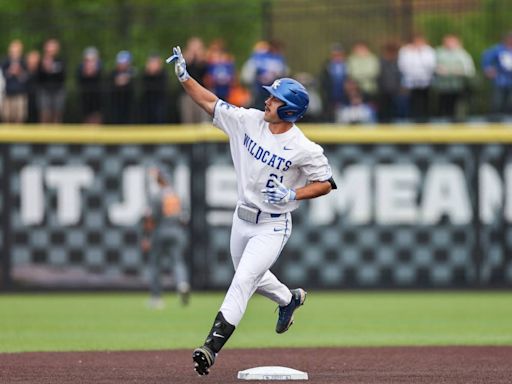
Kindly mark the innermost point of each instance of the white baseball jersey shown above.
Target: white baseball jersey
(259, 156)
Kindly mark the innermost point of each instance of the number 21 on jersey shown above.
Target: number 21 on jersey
(270, 181)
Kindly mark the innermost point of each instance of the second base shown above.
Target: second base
(272, 373)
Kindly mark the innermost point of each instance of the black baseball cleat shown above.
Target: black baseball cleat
(203, 358)
(285, 319)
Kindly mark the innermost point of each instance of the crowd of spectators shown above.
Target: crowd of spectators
(400, 84)
(412, 82)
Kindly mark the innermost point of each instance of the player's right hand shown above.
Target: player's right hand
(180, 66)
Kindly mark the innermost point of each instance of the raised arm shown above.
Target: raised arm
(202, 96)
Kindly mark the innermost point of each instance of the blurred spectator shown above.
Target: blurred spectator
(122, 89)
(162, 233)
(195, 56)
(90, 86)
(239, 95)
(51, 95)
(454, 70)
(363, 67)
(33, 60)
(417, 62)
(220, 70)
(354, 110)
(14, 69)
(497, 65)
(265, 64)
(389, 84)
(154, 91)
(315, 108)
(332, 81)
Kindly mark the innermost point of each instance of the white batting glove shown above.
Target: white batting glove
(280, 194)
(180, 66)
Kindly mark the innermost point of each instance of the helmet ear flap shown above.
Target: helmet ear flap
(289, 113)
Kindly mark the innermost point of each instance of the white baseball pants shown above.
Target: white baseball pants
(254, 249)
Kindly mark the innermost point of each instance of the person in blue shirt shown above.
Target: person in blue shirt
(497, 66)
(333, 81)
(265, 65)
(220, 70)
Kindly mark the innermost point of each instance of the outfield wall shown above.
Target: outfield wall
(422, 207)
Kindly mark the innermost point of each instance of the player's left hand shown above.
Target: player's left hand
(280, 194)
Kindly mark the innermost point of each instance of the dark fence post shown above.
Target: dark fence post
(198, 229)
(6, 218)
(266, 21)
(477, 252)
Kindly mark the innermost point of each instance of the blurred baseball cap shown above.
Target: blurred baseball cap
(123, 57)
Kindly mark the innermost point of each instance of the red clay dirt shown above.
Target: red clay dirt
(324, 365)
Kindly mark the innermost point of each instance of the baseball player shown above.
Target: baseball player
(162, 234)
(276, 167)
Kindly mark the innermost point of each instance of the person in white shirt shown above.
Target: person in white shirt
(276, 167)
(417, 63)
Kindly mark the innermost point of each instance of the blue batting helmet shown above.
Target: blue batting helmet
(294, 96)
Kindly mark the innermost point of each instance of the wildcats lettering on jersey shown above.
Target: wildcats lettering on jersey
(265, 156)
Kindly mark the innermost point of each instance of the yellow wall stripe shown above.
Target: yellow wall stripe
(326, 133)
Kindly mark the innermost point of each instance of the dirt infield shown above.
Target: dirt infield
(325, 365)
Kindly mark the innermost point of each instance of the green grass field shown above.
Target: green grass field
(72, 322)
